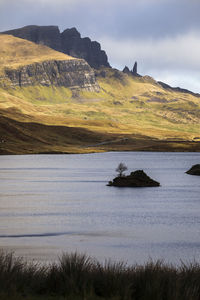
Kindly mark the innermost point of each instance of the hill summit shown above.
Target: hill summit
(69, 42)
(51, 102)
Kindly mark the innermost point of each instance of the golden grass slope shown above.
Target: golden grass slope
(127, 108)
(124, 105)
(16, 52)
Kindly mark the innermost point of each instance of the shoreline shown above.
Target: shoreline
(133, 146)
(34, 138)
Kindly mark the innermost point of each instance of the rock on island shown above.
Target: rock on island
(194, 170)
(136, 179)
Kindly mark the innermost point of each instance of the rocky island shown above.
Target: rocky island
(194, 170)
(136, 179)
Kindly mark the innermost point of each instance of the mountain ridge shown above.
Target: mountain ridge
(69, 42)
(178, 89)
(122, 111)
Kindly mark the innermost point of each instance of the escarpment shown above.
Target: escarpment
(69, 42)
(73, 44)
(74, 74)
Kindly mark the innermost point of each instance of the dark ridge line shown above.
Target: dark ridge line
(178, 89)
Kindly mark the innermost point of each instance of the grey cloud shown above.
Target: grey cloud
(179, 52)
(128, 18)
(184, 79)
(174, 60)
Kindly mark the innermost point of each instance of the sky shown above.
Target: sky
(163, 36)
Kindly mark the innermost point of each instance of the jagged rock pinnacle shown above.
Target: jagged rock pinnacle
(126, 70)
(134, 72)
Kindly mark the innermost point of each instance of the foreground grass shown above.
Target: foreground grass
(77, 276)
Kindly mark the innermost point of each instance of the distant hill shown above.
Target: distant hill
(177, 89)
(68, 42)
(54, 103)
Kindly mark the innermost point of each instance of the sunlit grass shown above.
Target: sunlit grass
(15, 52)
(124, 104)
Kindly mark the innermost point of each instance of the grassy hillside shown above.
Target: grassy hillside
(124, 105)
(129, 109)
(19, 137)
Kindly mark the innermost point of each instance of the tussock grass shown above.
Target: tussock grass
(77, 276)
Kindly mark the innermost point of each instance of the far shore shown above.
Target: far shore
(119, 146)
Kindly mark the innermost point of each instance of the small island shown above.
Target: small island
(136, 179)
(194, 170)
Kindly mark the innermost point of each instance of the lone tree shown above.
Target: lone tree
(121, 169)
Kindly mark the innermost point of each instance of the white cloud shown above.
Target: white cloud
(188, 80)
(180, 52)
(175, 60)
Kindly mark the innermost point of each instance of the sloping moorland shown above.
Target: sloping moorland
(125, 112)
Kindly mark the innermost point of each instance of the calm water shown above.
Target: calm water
(55, 203)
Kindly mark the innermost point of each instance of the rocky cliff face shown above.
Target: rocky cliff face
(68, 42)
(45, 35)
(74, 74)
(74, 45)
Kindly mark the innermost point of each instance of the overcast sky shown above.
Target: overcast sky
(163, 36)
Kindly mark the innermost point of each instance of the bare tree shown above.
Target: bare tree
(121, 169)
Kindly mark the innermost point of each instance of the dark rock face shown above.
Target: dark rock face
(135, 179)
(68, 42)
(45, 35)
(126, 70)
(74, 45)
(195, 170)
(74, 74)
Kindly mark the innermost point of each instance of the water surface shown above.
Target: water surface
(55, 203)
